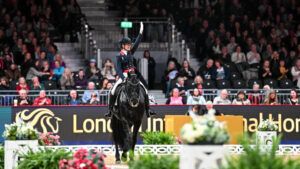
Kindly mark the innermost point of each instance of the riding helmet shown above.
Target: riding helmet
(125, 40)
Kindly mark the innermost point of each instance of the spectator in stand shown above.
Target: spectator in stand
(275, 64)
(73, 98)
(57, 71)
(175, 98)
(181, 86)
(22, 84)
(209, 109)
(198, 81)
(225, 56)
(41, 59)
(232, 45)
(295, 71)
(255, 96)
(36, 85)
(272, 98)
(206, 70)
(293, 99)
(42, 99)
(151, 69)
(92, 72)
(67, 80)
(283, 70)
(105, 81)
(8, 60)
(196, 98)
(80, 80)
(47, 74)
(109, 86)
(253, 57)
(4, 84)
(34, 71)
(217, 47)
(222, 98)
(88, 93)
(186, 71)
(219, 72)
(239, 59)
(27, 64)
(108, 70)
(241, 99)
(23, 98)
(169, 75)
(13, 73)
(94, 99)
(59, 59)
(265, 71)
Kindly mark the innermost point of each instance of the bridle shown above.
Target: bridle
(135, 85)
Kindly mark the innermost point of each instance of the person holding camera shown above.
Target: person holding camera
(108, 70)
(241, 99)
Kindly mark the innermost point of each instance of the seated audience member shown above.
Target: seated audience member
(80, 80)
(194, 111)
(206, 71)
(4, 84)
(13, 73)
(57, 71)
(73, 98)
(109, 86)
(88, 93)
(241, 99)
(186, 71)
(196, 98)
(295, 71)
(267, 90)
(272, 98)
(34, 71)
(36, 85)
(67, 81)
(94, 99)
(108, 70)
(23, 98)
(42, 99)
(294, 98)
(180, 86)
(92, 72)
(253, 57)
(47, 73)
(58, 58)
(198, 81)
(209, 109)
(265, 71)
(283, 70)
(239, 59)
(255, 96)
(222, 98)
(27, 64)
(219, 72)
(22, 84)
(169, 74)
(175, 98)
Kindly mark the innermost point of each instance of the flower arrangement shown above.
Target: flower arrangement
(20, 131)
(204, 130)
(49, 139)
(84, 159)
(151, 138)
(267, 125)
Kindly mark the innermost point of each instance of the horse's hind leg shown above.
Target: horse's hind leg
(134, 139)
(117, 154)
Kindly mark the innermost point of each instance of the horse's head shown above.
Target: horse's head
(133, 90)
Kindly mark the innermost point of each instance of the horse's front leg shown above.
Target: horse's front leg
(117, 154)
(134, 139)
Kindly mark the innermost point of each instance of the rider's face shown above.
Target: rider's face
(127, 47)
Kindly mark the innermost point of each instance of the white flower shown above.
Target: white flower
(82, 165)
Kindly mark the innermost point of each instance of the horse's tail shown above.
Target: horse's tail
(121, 134)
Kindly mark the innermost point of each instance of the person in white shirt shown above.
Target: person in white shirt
(239, 58)
(222, 98)
(253, 57)
(295, 71)
(196, 98)
(232, 45)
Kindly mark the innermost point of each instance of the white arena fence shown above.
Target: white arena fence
(60, 97)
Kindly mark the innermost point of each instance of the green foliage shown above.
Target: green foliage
(43, 159)
(1, 157)
(255, 158)
(154, 138)
(155, 162)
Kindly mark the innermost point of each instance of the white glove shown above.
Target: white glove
(141, 27)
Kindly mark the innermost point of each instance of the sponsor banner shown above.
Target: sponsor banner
(5, 118)
(87, 124)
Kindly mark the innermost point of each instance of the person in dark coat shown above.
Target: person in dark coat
(151, 69)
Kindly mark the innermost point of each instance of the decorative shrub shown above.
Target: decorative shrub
(1, 157)
(256, 158)
(49, 139)
(20, 131)
(267, 125)
(155, 162)
(204, 130)
(154, 138)
(43, 159)
(84, 159)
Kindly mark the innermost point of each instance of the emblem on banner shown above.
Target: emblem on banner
(43, 117)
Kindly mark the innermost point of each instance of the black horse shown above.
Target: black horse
(129, 112)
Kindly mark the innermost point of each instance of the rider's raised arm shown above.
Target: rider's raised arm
(119, 67)
(138, 39)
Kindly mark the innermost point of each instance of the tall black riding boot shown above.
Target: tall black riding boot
(112, 100)
(149, 113)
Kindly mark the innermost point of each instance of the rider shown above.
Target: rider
(125, 65)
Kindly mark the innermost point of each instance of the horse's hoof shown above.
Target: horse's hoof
(124, 157)
(118, 161)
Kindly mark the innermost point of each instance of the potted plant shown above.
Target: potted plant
(203, 139)
(18, 135)
(266, 132)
